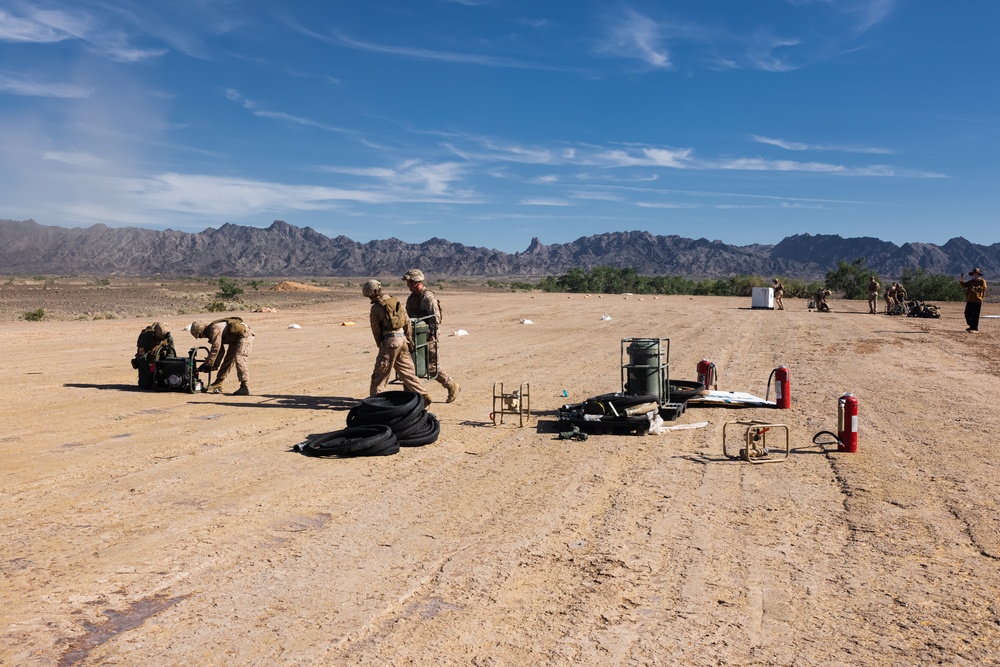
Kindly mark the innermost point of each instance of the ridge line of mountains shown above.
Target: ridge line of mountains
(27, 247)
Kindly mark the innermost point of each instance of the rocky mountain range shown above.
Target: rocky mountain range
(28, 248)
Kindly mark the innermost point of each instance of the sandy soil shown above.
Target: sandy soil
(158, 528)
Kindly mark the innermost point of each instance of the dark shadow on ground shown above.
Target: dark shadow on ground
(288, 401)
(113, 387)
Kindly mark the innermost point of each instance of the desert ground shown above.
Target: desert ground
(167, 528)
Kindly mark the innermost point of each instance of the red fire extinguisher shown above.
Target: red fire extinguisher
(847, 423)
(707, 374)
(782, 388)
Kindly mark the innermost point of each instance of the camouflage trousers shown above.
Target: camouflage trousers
(237, 354)
(394, 354)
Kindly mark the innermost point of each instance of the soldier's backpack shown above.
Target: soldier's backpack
(235, 324)
(395, 311)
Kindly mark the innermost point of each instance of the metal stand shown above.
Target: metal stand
(755, 448)
(517, 402)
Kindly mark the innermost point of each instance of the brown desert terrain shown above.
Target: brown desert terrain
(167, 528)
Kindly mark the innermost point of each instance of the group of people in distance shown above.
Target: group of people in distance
(894, 294)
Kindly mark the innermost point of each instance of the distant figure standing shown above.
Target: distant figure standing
(873, 290)
(975, 292)
(900, 293)
(889, 293)
(393, 334)
(423, 303)
(779, 291)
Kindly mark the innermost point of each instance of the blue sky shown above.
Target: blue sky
(489, 122)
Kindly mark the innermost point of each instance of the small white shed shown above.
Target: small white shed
(763, 297)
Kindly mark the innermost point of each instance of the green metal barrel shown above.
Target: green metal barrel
(421, 330)
(645, 368)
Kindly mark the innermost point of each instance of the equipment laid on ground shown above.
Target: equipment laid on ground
(160, 368)
(615, 414)
(917, 308)
(403, 412)
(755, 449)
(158, 365)
(646, 392)
(517, 402)
(180, 373)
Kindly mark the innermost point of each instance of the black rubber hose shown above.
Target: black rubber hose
(426, 435)
(352, 441)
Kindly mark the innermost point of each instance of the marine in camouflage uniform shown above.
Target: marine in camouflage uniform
(873, 290)
(423, 303)
(394, 343)
(231, 342)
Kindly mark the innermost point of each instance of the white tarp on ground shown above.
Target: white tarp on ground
(734, 398)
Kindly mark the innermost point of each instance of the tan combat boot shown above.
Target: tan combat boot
(244, 390)
(427, 400)
(453, 390)
(215, 388)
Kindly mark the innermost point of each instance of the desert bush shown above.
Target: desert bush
(228, 289)
(216, 307)
(851, 279)
(511, 286)
(102, 282)
(36, 315)
(927, 287)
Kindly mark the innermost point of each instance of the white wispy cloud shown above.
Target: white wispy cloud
(19, 85)
(800, 146)
(543, 201)
(50, 25)
(18, 29)
(254, 108)
(75, 159)
(649, 204)
(418, 53)
(637, 36)
(490, 150)
(762, 52)
(866, 13)
(414, 176)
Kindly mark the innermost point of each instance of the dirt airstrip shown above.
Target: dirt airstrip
(160, 528)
